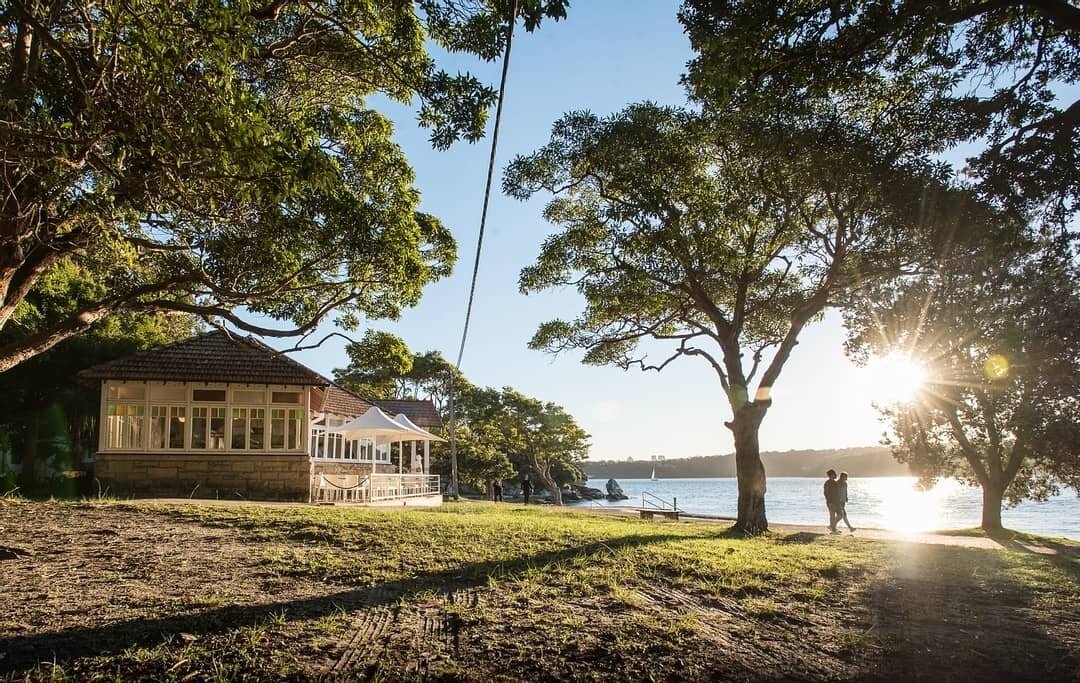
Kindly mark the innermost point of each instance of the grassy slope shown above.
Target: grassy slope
(478, 591)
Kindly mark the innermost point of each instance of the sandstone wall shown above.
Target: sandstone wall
(206, 475)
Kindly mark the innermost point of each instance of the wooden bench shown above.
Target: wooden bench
(646, 513)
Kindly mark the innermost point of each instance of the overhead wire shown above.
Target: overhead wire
(479, 248)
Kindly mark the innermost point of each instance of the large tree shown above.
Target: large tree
(997, 74)
(722, 238)
(220, 155)
(998, 331)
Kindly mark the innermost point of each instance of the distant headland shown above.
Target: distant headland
(869, 461)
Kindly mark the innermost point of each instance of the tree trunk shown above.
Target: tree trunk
(749, 469)
(547, 480)
(991, 507)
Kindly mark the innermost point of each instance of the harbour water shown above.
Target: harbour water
(894, 503)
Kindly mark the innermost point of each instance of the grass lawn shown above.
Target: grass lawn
(107, 591)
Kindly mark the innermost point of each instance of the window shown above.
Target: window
(293, 397)
(177, 420)
(248, 396)
(256, 418)
(127, 392)
(158, 426)
(207, 427)
(200, 424)
(169, 393)
(217, 428)
(277, 428)
(239, 428)
(124, 425)
(208, 395)
(294, 427)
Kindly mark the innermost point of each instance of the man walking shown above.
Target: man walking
(841, 502)
(526, 488)
(831, 490)
(496, 491)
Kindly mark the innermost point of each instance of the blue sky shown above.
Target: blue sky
(606, 54)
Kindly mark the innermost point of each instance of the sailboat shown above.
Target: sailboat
(653, 477)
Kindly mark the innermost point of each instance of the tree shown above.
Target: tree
(544, 434)
(378, 366)
(220, 158)
(43, 393)
(724, 237)
(993, 73)
(998, 330)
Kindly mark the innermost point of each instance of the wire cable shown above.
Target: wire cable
(479, 247)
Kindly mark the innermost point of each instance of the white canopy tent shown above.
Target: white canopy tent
(381, 428)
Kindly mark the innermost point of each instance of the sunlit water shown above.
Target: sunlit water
(874, 502)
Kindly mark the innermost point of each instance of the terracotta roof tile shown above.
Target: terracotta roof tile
(341, 401)
(210, 357)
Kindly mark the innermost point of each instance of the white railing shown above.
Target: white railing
(392, 486)
(372, 488)
(341, 489)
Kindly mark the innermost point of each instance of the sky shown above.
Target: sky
(604, 55)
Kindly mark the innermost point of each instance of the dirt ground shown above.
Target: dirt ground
(123, 592)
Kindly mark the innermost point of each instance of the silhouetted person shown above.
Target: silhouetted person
(841, 502)
(526, 488)
(831, 489)
(496, 491)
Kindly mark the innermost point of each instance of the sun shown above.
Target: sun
(895, 378)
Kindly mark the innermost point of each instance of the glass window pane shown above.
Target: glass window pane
(239, 428)
(217, 428)
(214, 395)
(158, 416)
(177, 420)
(198, 427)
(255, 428)
(286, 397)
(277, 428)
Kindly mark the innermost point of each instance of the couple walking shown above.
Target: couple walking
(836, 500)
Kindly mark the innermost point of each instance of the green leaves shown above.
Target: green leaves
(229, 145)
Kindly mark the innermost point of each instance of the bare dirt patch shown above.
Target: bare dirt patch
(190, 593)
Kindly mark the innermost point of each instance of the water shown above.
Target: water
(874, 502)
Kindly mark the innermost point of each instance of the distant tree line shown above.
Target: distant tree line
(859, 462)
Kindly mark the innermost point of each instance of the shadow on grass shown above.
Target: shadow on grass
(951, 613)
(23, 652)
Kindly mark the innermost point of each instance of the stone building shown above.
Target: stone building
(221, 416)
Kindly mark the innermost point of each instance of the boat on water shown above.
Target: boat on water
(653, 477)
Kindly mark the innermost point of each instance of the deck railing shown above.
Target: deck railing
(372, 488)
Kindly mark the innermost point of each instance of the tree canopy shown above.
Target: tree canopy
(218, 158)
(724, 238)
(998, 331)
(997, 75)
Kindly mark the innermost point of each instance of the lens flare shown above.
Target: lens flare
(996, 367)
(895, 378)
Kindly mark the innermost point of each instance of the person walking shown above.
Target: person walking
(496, 491)
(841, 502)
(526, 488)
(831, 490)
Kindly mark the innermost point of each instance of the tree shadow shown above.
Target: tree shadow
(1034, 545)
(801, 537)
(23, 652)
(950, 613)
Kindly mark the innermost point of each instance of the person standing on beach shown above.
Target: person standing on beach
(841, 502)
(496, 491)
(831, 491)
(526, 488)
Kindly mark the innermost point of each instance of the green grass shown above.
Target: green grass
(546, 592)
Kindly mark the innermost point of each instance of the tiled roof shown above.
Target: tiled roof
(422, 412)
(335, 399)
(210, 357)
(341, 401)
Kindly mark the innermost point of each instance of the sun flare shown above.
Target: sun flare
(895, 378)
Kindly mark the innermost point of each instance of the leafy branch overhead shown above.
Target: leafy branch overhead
(218, 158)
(996, 75)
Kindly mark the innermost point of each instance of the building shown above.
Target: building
(221, 416)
